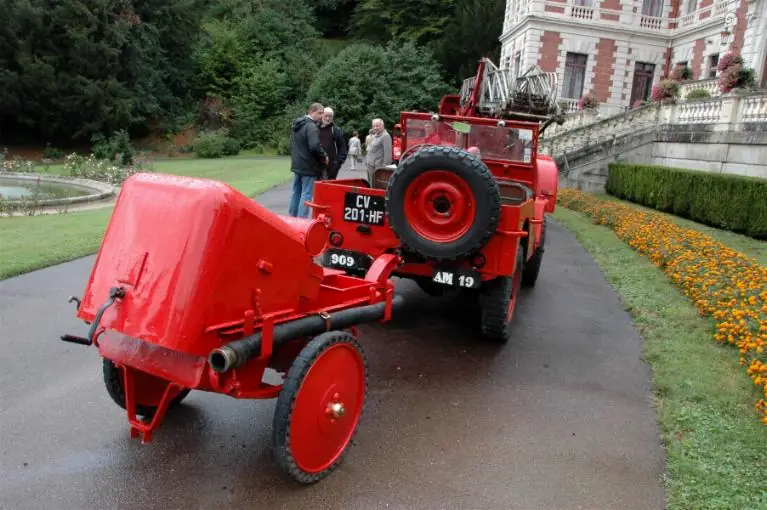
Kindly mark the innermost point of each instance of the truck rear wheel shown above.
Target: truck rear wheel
(533, 266)
(499, 300)
(442, 203)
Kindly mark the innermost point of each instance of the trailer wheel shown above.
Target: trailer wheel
(319, 407)
(499, 300)
(443, 203)
(533, 266)
(149, 389)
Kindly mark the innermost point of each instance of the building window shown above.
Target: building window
(713, 62)
(691, 6)
(518, 63)
(583, 3)
(652, 8)
(642, 85)
(575, 75)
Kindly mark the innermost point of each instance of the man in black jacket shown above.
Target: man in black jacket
(332, 139)
(307, 159)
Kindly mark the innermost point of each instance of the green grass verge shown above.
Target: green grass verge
(30, 243)
(747, 245)
(716, 447)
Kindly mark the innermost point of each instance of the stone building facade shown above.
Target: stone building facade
(616, 50)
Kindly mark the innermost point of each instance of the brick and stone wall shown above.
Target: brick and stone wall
(613, 50)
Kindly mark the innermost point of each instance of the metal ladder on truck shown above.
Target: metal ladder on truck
(494, 92)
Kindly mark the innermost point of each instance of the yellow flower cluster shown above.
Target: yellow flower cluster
(721, 282)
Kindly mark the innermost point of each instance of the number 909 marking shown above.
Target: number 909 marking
(341, 260)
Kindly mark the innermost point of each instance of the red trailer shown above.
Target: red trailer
(198, 287)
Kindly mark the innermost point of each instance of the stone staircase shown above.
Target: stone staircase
(658, 134)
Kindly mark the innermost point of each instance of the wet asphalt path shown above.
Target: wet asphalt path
(559, 418)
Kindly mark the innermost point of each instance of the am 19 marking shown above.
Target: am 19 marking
(455, 280)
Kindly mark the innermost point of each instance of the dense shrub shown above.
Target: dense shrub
(698, 94)
(588, 102)
(52, 152)
(215, 144)
(681, 73)
(665, 90)
(366, 81)
(733, 74)
(727, 201)
(117, 147)
(103, 170)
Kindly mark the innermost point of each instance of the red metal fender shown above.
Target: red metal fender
(548, 180)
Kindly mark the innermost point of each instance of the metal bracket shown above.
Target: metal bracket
(75, 299)
(114, 294)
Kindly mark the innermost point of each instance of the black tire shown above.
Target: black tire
(114, 383)
(533, 266)
(495, 298)
(286, 401)
(478, 178)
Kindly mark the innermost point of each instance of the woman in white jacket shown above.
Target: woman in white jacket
(355, 149)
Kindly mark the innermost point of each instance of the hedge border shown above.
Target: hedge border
(732, 202)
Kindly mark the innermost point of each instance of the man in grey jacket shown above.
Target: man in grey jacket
(307, 159)
(380, 149)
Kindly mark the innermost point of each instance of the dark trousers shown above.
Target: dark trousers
(332, 171)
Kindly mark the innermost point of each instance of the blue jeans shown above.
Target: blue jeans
(303, 190)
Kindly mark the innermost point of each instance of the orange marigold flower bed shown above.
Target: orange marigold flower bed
(721, 282)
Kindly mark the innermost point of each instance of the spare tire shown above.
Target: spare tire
(443, 203)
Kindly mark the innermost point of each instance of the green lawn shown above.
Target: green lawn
(715, 444)
(744, 244)
(29, 243)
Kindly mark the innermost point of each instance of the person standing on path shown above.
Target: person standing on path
(355, 149)
(368, 140)
(380, 149)
(307, 159)
(332, 140)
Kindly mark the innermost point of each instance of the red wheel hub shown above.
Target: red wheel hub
(440, 206)
(327, 408)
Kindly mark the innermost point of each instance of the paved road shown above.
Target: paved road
(559, 418)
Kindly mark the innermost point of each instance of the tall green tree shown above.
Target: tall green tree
(334, 16)
(473, 33)
(366, 81)
(259, 58)
(73, 68)
(422, 22)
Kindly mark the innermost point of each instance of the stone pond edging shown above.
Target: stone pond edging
(101, 190)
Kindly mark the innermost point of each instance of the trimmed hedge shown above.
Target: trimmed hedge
(727, 201)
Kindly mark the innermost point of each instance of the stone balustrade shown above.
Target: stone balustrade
(728, 112)
(593, 11)
(710, 85)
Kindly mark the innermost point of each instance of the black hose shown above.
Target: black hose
(239, 352)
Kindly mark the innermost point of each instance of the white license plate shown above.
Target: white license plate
(367, 209)
(457, 278)
(346, 260)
